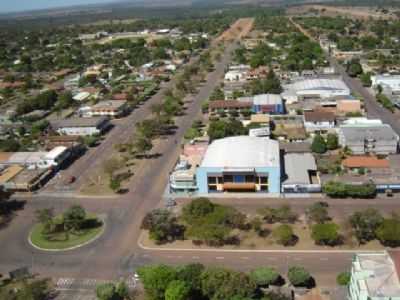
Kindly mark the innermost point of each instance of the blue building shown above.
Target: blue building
(240, 164)
(265, 103)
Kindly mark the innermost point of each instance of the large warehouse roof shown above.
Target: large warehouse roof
(242, 152)
(317, 84)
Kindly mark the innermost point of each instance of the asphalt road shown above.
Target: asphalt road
(116, 253)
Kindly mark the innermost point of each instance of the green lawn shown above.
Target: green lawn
(58, 241)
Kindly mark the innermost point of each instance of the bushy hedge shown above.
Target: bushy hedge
(336, 189)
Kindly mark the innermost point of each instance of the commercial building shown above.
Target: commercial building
(375, 276)
(265, 103)
(316, 88)
(390, 81)
(319, 120)
(110, 108)
(363, 138)
(301, 174)
(227, 106)
(33, 160)
(18, 178)
(240, 163)
(81, 126)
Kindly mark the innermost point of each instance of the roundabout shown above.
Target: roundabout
(60, 239)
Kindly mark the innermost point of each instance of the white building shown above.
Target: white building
(375, 276)
(317, 88)
(319, 121)
(235, 75)
(34, 160)
(80, 126)
(391, 81)
(110, 108)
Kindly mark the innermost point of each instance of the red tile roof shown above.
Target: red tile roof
(365, 162)
(319, 116)
(216, 104)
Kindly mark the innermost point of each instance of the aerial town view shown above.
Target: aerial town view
(200, 150)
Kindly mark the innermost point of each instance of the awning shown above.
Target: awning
(239, 186)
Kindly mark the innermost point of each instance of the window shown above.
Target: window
(263, 179)
(228, 178)
(212, 180)
(249, 178)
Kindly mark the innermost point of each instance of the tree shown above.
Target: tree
(318, 212)
(162, 226)
(30, 290)
(115, 184)
(283, 234)
(224, 128)
(177, 290)
(366, 79)
(343, 278)
(105, 291)
(143, 145)
(388, 232)
(318, 144)
(191, 274)
(332, 141)
(264, 276)
(354, 68)
(111, 165)
(217, 94)
(65, 100)
(325, 234)
(46, 218)
(121, 289)
(298, 276)
(156, 279)
(197, 208)
(74, 217)
(222, 284)
(283, 214)
(365, 223)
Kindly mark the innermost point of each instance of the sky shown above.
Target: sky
(22, 5)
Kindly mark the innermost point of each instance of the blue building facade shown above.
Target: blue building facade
(240, 164)
(261, 180)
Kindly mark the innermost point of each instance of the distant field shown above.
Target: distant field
(114, 22)
(349, 11)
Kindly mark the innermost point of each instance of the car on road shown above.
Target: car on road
(70, 180)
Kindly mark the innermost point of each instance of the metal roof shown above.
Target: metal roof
(242, 152)
(297, 166)
(382, 132)
(317, 84)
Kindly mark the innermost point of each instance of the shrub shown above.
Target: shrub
(325, 234)
(264, 276)
(388, 232)
(298, 276)
(318, 144)
(336, 189)
(343, 278)
(283, 234)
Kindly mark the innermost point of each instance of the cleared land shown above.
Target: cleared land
(333, 11)
(238, 30)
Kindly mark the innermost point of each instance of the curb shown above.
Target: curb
(140, 244)
(70, 248)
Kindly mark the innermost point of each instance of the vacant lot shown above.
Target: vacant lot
(238, 30)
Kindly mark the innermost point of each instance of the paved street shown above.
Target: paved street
(116, 253)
